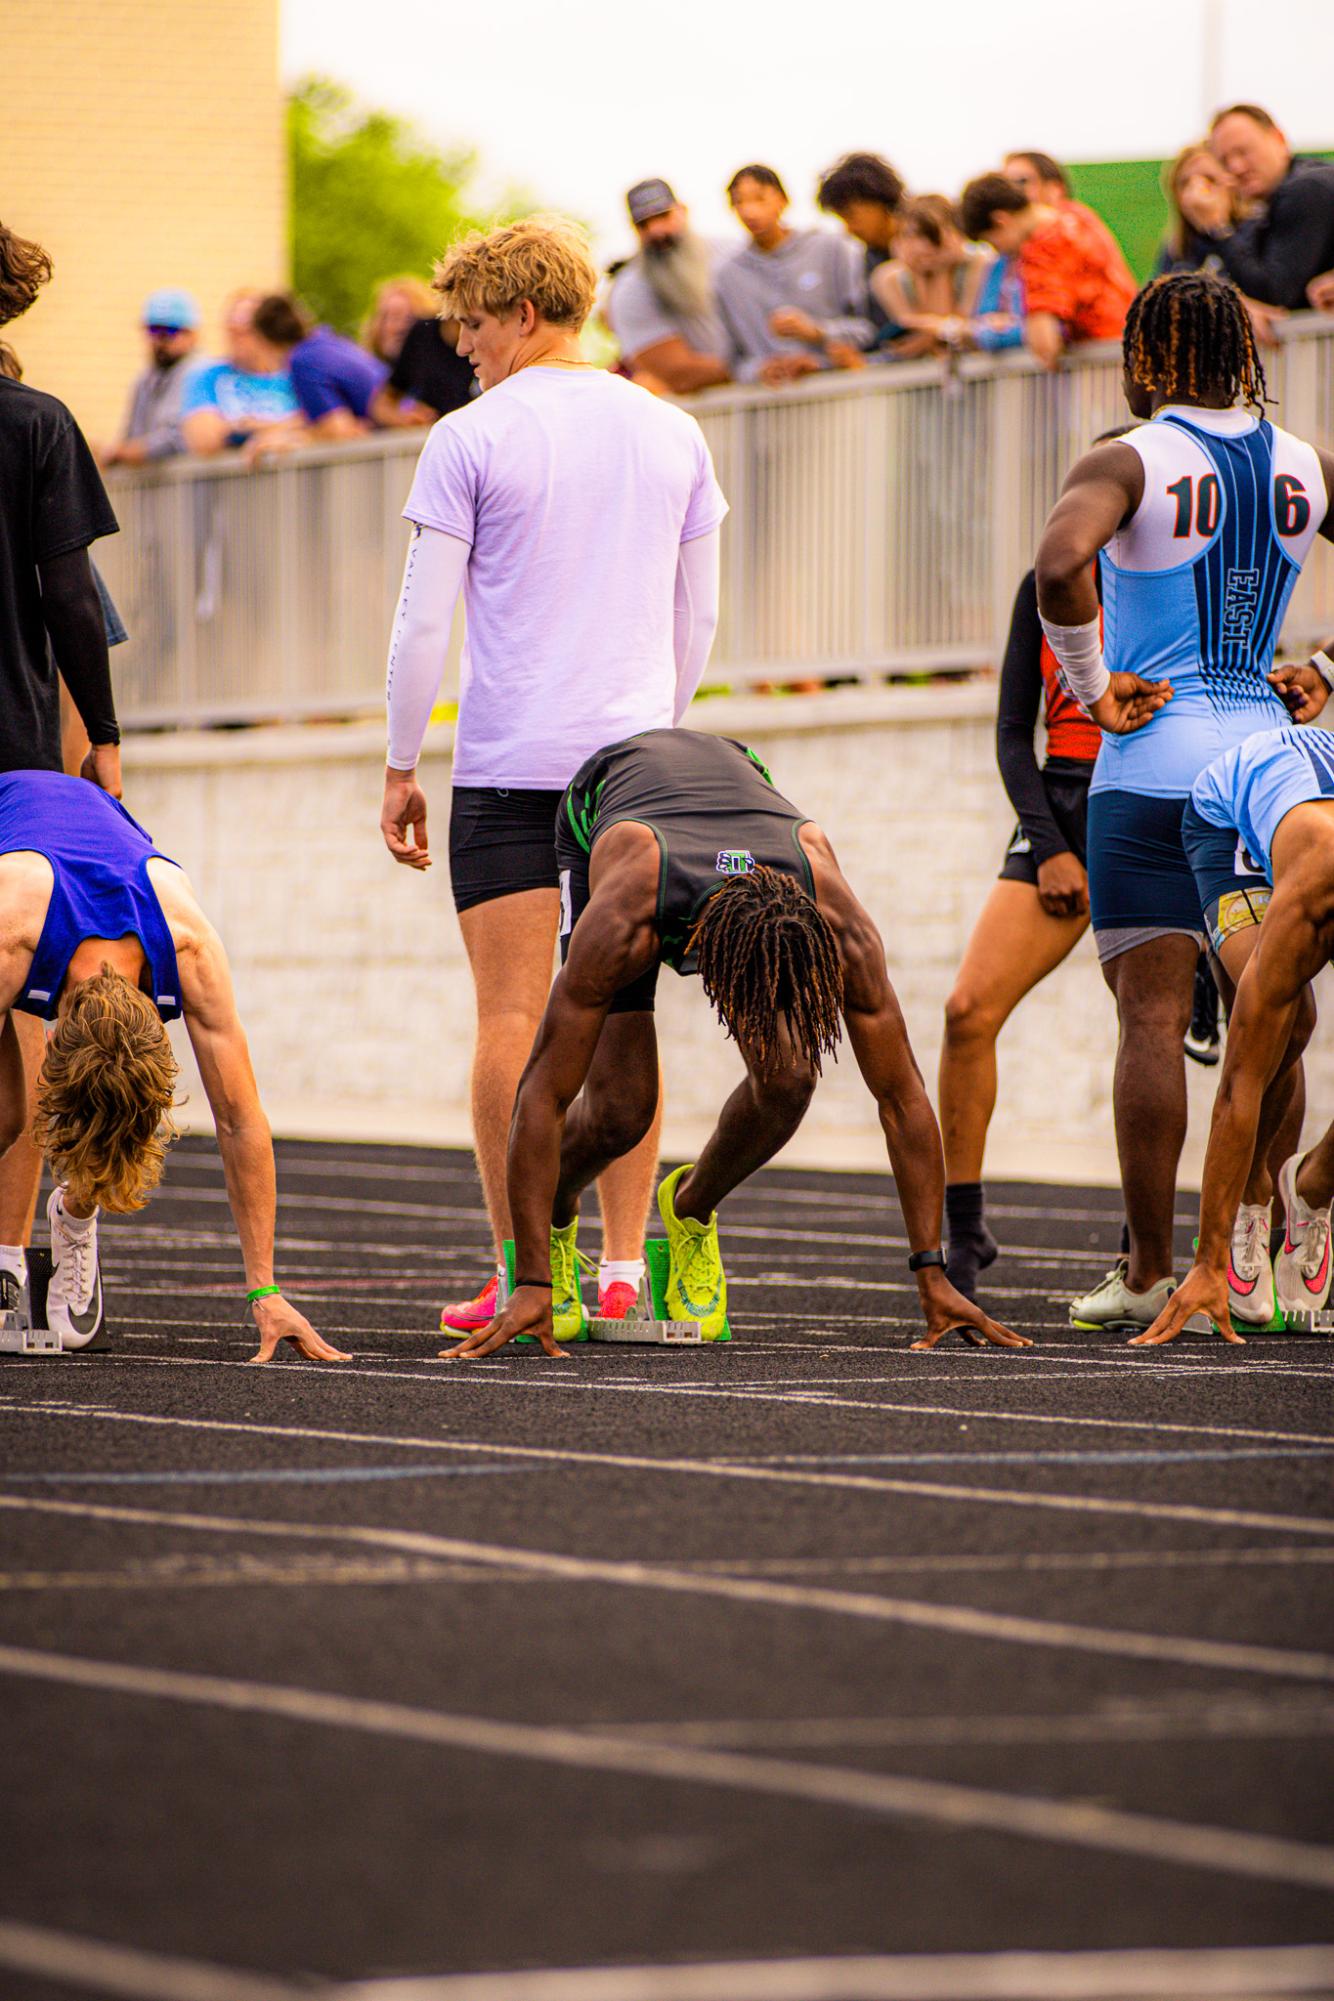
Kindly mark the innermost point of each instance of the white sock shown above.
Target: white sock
(77, 1226)
(14, 1260)
(620, 1271)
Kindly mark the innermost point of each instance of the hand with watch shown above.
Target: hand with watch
(948, 1312)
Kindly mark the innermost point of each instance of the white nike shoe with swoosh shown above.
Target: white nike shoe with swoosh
(1302, 1269)
(1250, 1276)
(74, 1296)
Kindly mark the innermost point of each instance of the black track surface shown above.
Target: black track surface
(856, 1569)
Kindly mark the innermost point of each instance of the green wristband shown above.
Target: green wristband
(262, 1292)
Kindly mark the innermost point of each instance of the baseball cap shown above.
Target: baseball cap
(649, 198)
(170, 308)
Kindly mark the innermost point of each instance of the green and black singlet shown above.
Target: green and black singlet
(714, 811)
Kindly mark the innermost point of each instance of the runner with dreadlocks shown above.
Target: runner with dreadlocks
(1201, 517)
(676, 847)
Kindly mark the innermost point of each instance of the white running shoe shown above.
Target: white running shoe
(1113, 1305)
(1250, 1276)
(1302, 1267)
(74, 1296)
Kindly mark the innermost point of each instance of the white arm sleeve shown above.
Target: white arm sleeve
(419, 642)
(1078, 650)
(696, 613)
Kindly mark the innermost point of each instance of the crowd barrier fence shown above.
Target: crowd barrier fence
(880, 521)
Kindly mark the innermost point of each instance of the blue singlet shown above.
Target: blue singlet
(99, 858)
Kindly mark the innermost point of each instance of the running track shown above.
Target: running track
(807, 1669)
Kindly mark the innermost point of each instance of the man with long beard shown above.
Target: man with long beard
(661, 307)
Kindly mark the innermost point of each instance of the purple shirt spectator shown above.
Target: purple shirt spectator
(330, 372)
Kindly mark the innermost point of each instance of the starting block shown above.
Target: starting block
(1313, 1321)
(23, 1328)
(649, 1324)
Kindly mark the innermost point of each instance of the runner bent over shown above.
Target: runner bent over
(675, 847)
(101, 934)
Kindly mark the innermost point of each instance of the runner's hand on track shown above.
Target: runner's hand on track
(1203, 1290)
(1301, 688)
(1129, 703)
(528, 1312)
(278, 1320)
(948, 1312)
(405, 806)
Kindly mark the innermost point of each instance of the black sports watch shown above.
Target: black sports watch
(920, 1259)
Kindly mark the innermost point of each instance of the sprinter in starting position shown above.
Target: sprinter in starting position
(675, 847)
(101, 934)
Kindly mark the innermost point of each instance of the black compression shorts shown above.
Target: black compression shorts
(1068, 798)
(500, 842)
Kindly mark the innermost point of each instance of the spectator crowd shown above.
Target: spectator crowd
(1014, 262)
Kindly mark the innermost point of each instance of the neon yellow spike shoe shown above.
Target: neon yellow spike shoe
(696, 1282)
(569, 1320)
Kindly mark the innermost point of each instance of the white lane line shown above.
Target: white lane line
(1010, 1629)
(861, 1483)
(1192, 1719)
(1254, 1973)
(140, 1976)
(1097, 1559)
(1070, 1823)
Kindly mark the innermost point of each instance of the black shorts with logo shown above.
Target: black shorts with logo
(1067, 790)
(500, 842)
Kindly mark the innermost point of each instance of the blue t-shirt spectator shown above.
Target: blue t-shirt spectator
(244, 401)
(998, 316)
(330, 372)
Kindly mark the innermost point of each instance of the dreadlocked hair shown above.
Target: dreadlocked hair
(1189, 335)
(104, 1095)
(765, 950)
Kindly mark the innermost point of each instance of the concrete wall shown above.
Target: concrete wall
(142, 144)
(355, 990)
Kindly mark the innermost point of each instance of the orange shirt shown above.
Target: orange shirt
(1070, 732)
(1082, 281)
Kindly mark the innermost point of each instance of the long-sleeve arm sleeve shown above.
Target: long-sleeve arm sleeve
(1273, 261)
(432, 579)
(695, 613)
(1016, 719)
(77, 630)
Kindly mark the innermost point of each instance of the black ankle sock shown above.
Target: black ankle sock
(964, 1204)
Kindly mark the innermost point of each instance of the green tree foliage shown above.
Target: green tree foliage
(370, 198)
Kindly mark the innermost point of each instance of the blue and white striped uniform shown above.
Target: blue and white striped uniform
(1194, 588)
(1255, 785)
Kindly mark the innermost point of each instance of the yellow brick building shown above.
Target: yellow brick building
(142, 143)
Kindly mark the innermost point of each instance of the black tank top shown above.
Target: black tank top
(712, 807)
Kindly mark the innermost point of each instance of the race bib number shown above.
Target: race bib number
(566, 905)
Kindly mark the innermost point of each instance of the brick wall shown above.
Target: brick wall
(142, 143)
(353, 984)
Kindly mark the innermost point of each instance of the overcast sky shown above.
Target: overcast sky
(577, 101)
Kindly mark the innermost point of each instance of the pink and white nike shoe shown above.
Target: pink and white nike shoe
(471, 1314)
(1302, 1267)
(1250, 1276)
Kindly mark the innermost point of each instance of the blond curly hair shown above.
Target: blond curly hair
(105, 1094)
(544, 258)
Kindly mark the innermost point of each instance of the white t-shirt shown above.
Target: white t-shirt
(576, 490)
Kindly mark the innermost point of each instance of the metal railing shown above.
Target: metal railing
(880, 521)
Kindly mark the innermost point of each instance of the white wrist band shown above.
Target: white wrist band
(1078, 650)
(1324, 667)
